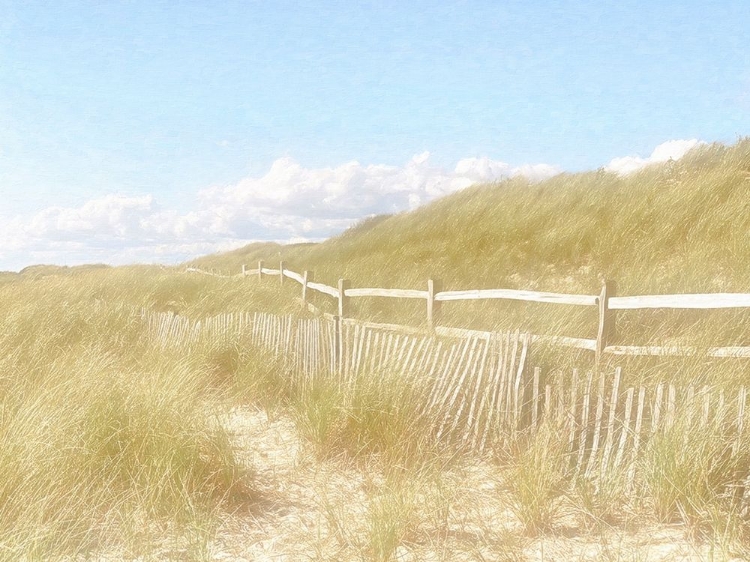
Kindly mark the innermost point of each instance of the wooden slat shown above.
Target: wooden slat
(512, 294)
(447, 332)
(392, 293)
(387, 327)
(322, 288)
(729, 352)
(649, 350)
(293, 275)
(268, 271)
(676, 350)
(705, 300)
(580, 343)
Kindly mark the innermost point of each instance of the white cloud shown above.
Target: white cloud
(289, 202)
(674, 150)
(485, 169)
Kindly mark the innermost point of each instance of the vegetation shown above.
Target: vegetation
(677, 227)
(113, 442)
(104, 437)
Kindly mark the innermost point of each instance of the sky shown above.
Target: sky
(148, 131)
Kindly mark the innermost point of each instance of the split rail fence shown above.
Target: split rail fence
(607, 303)
(477, 390)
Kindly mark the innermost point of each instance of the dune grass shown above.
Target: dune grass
(677, 227)
(106, 441)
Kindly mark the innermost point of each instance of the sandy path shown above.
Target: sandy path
(311, 510)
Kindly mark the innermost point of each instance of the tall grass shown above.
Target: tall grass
(102, 435)
(670, 228)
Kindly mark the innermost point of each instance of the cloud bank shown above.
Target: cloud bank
(288, 203)
(670, 150)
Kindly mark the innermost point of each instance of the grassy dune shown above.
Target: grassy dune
(677, 227)
(110, 442)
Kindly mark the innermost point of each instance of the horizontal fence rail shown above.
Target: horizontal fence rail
(477, 390)
(392, 293)
(702, 301)
(606, 302)
(511, 294)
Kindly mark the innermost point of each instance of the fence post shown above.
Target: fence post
(433, 306)
(243, 270)
(344, 284)
(260, 270)
(306, 276)
(337, 344)
(343, 312)
(606, 329)
(281, 273)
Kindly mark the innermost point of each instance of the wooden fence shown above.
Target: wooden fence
(478, 390)
(607, 303)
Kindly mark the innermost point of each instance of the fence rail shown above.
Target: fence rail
(607, 303)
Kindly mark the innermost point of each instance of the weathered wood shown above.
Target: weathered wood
(705, 300)
(517, 386)
(496, 392)
(611, 422)
(337, 344)
(434, 286)
(472, 421)
(260, 270)
(677, 350)
(625, 427)
(573, 405)
(389, 293)
(513, 294)
(584, 423)
(343, 305)
(636, 437)
(579, 343)
(288, 273)
(307, 277)
(462, 333)
(281, 273)
(597, 425)
(605, 330)
(386, 327)
(323, 288)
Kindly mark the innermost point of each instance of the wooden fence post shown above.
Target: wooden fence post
(606, 329)
(281, 273)
(243, 270)
(338, 344)
(260, 270)
(344, 284)
(306, 277)
(343, 312)
(433, 306)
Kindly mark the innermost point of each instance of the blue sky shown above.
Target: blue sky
(155, 131)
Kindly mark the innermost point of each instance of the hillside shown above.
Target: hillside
(677, 227)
